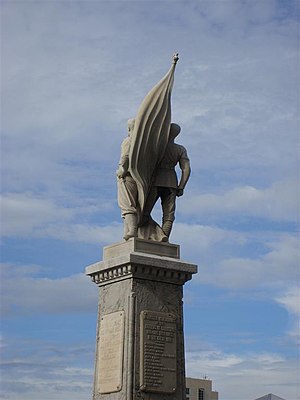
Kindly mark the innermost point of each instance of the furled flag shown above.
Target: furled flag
(151, 133)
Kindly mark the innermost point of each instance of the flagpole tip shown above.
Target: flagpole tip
(175, 58)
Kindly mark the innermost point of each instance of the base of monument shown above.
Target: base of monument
(136, 245)
(140, 346)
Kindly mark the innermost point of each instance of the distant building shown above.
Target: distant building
(200, 389)
(270, 396)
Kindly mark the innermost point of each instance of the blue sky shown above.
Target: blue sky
(73, 72)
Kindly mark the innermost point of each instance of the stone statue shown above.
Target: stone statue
(147, 165)
(127, 189)
(165, 183)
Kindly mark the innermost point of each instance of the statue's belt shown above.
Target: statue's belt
(168, 168)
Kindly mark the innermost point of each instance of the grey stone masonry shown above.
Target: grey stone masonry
(139, 343)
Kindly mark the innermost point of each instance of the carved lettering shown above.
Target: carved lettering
(158, 352)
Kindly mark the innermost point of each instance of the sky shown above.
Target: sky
(72, 73)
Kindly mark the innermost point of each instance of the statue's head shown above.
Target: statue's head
(130, 125)
(174, 131)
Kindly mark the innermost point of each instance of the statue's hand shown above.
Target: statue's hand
(175, 58)
(179, 192)
(121, 172)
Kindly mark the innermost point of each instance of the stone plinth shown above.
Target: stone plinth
(140, 346)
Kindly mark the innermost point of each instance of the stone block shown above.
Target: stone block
(135, 245)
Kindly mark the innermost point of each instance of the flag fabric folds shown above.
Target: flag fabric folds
(151, 133)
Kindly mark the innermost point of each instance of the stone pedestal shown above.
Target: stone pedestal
(140, 346)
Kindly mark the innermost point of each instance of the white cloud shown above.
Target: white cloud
(279, 202)
(234, 375)
(52, 369)
(29, 215)
(203, 238)
(270, 271)
(65, 384)
(71, 294)
(24, 213)
(235, 98)
(85, 233)
(47, 370)
(290, 300)
(260, 260)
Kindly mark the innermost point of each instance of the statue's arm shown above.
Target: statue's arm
(185, 167)
(124, 159)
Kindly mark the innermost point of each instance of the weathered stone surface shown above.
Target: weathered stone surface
(142, 246)
(144, 265)
(147, 166)
(158, 352)
(142, 286)
(111, 349)
(113, 298)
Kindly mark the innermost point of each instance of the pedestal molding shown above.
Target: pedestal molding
(142, 266)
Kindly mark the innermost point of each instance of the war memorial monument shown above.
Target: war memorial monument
(140, 341)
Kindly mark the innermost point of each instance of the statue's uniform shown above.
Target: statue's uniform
(127, 189)
(165, 183)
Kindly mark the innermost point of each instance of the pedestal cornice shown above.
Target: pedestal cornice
(141, 265)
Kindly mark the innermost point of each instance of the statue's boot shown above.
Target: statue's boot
(125, 226)
(167, 227)
(131, 222)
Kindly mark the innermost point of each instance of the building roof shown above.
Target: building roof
(270, 396)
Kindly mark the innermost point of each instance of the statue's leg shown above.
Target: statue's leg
(168, 203)
(125, 227)
(131, 222)
(127, 199)
(150, 203)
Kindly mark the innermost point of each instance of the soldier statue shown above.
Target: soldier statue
(127, 188)
(165, 183)
(147, 164)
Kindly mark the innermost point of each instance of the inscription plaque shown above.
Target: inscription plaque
(110, 350)
(158, 369)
